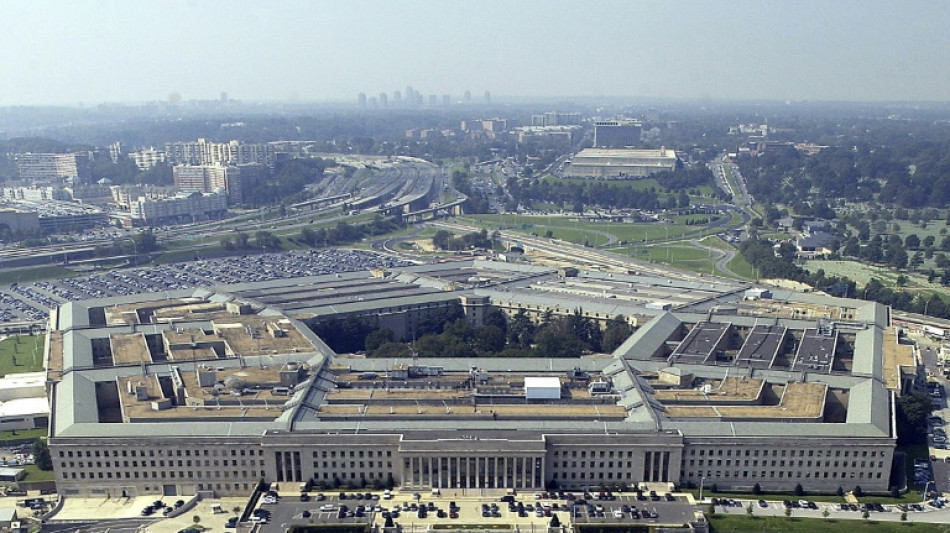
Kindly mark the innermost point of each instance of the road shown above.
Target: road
(725, 256)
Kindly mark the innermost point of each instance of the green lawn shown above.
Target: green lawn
(23, 275)
(780, 524)
(33, 473)
(21, 353)
(576, 227)
(23, 434)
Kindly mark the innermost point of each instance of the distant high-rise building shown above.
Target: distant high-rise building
(446, 99)
(233, 180)
(397, 98)
(383, 100)
(224, 96)
(554, 118)
(410, 95)
(362, 100)
(115, 151)
(203, 152)
(433, 99)
(468, 97)
(487, 97)
(46, 166)
(147, 158)
(618, 133)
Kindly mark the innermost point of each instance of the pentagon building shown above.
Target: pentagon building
(211, 391)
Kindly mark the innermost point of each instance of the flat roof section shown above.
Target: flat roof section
(816, 351)
(896, 355)
(701, 342)
(532, 411)
(244, 335)
(236, 393)
(799, 402)
(54, 365)
(129, 348)
(728, 390)
(761, 346)
(319, 292)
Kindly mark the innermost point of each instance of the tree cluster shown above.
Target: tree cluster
(344, 233)
(449, 334)
(445, 240)
(288, 182)
(263, 240)
(907, 172)
(781, 264)
(142, 242)
(476, 202)
(913, 410)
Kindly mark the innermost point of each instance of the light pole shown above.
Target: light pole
(135, 251)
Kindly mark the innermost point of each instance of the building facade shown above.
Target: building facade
(621, 163)
(211, 391)
(203, 152)
(53, 166)
(617, 133)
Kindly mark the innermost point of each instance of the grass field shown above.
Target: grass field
(743, 524)
(24, 275)
(33, 473)
(577, 228)
(22, 434)
(21, 353)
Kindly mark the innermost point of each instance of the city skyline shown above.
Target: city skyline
(90, 52)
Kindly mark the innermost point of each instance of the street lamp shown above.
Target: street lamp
(135, 251)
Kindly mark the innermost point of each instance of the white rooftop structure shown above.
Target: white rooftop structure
(25, 385)
(542, 388)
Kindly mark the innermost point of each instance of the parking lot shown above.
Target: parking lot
(30, 302)
(470, 506)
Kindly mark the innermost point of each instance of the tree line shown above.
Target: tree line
(340, 234)
(780, 263)
(449, 334)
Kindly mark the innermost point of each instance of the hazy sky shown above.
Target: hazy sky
(71, 51)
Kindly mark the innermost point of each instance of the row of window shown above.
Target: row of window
(781, 462)
(781, 474)
(370, 453)
(166, 474)
(583, 454)
(161, 463)
(353, 464)
(593, 464)
(243, 452)
(788, 453)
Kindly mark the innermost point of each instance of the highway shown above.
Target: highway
(398, 184)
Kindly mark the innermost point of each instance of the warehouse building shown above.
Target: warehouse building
(620, 163)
